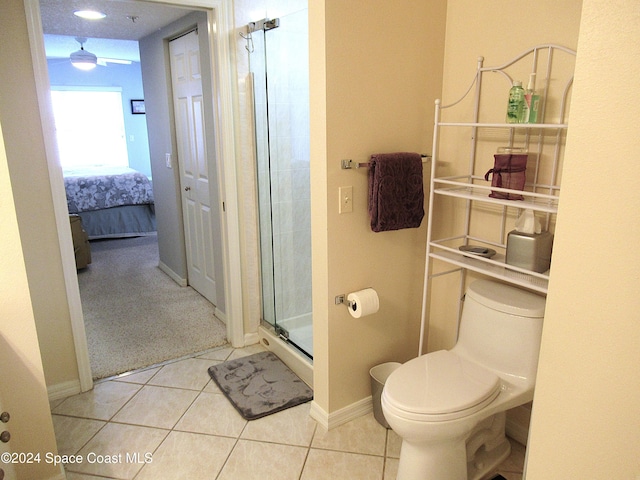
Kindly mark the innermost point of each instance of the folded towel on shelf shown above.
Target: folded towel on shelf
(396, 192)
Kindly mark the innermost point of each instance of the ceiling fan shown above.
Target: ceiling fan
(85, 60)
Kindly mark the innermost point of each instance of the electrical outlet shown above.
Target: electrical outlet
(168, 160)
(346, 199)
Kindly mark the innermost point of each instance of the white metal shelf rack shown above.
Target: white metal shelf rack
(472, 188)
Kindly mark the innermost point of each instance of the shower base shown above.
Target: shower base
(291, 356)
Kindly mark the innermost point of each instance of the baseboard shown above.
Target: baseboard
(184, 283)
(332, 420)
(173, 275)
(319, 415)
(63, 390)
(328, 421)
(220, 315)
(251, 338)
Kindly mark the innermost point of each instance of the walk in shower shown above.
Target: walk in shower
(279, 63)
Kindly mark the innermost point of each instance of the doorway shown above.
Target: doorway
(201, 224)
(219, 23)
(280, 66)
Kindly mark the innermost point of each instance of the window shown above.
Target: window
(89, 126)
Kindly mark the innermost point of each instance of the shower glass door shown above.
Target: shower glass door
(280, 67)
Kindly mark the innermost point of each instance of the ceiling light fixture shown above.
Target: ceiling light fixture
(89, 14)
(82, 59)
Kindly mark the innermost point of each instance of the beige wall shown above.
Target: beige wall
(23, 393)
(32, 194)
(376, 70)
(473, 30)
(586, 420)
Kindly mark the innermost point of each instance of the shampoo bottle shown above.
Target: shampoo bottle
(531, 102)
(516, 103)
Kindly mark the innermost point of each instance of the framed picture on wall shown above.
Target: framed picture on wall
(137, 107)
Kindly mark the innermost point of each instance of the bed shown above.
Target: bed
(111, 201)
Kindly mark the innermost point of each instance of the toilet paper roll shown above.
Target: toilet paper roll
(363, 302)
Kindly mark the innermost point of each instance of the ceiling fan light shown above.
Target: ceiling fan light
(84, 66)
(89, 14)
(83, 60)
(114, 60)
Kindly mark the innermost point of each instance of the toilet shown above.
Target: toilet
(449, 407)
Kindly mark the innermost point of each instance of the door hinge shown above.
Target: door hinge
(282, 333)
(271, 24)
(264, 24)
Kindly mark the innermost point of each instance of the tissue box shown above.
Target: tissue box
(529, 250)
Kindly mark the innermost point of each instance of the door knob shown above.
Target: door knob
(186, 189)
(4, 417)
(5, 436)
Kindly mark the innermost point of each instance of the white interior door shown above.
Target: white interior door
(193, 162)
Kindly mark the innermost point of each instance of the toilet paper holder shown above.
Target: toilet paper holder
(360, 303)
(342, 299)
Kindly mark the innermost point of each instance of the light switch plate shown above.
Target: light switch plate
(346, 199)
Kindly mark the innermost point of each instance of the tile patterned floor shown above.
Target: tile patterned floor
(172, 422)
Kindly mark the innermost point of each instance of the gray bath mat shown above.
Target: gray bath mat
(259, 385)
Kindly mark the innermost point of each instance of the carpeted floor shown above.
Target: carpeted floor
(135, 315)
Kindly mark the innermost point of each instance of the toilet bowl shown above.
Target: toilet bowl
(449, 406)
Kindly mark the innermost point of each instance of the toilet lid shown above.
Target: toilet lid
(440, 383)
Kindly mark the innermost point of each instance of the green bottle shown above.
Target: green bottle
(516, 103)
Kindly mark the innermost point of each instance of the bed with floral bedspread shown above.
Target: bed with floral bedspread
(112, 201)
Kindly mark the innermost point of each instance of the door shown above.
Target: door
(26, 430)
(280, 66)
(195, 180)
(7, 471)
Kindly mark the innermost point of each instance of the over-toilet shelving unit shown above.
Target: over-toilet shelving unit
(544, 143)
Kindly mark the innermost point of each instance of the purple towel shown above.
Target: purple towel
(396, 193)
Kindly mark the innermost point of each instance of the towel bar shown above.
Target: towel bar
(348, 164)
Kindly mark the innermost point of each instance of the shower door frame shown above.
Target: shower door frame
(278, 266)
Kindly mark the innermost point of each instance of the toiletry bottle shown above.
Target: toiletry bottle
(516, 103)
(531, 102)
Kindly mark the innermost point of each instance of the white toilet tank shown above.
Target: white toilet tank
(500, 328)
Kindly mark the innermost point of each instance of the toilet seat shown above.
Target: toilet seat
(440, 386)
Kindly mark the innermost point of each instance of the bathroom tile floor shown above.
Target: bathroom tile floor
(171, 421)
